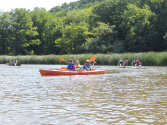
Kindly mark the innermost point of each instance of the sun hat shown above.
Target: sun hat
(87, 61)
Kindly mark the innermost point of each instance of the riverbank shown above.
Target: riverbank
(147, 59)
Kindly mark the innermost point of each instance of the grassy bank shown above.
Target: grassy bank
(148, 59)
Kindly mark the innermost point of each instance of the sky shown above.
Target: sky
(7, 5)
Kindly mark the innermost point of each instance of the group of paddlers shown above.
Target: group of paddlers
(88, 65)
(135, 62)
(14, 62)
(75, 66)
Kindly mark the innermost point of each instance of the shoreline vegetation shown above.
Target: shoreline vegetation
(147, 58)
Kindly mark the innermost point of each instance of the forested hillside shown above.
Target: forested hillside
(86, 26)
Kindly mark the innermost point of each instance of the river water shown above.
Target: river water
(121, 96)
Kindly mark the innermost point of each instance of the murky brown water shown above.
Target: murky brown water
(122, 96)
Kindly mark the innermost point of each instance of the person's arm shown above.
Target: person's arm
(85, 67)
(90, 67)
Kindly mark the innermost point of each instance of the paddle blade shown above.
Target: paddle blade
(62, 59)
(63, 67)
(92, 59)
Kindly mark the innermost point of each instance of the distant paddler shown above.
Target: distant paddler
(125, 63)
(138, 63)
(120, 62)
(134, 62)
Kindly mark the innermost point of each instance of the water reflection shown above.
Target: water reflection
(121, 96)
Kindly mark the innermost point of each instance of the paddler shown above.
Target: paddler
(120, 62)
(14, 62)
(71, 65)
(125, 63)
(77, 64)
(10, 62)
(138, 63)
(134, 62)
(93, 63)
(87, 65)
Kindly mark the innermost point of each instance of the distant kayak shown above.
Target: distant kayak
(133, 67)
(9, 64)
(138, 67)
(56, 72)
(122, 66)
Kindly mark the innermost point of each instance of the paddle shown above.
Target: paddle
(60, 58)
(63, 67)
(92, 59)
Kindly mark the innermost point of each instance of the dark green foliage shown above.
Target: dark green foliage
(73, 36)
(80, 4)
(102, 42)
(86, 26)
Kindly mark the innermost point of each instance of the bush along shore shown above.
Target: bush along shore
(147, 59)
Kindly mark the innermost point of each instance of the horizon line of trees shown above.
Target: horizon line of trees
(86, 26)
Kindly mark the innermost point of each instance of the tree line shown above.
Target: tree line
(86, 26)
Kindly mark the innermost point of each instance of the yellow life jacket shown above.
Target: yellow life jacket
(78, 66)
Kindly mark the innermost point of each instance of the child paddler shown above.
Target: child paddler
(87, 65)
(77, 64)
(71, 65)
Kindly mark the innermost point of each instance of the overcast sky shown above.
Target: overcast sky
(7, 5)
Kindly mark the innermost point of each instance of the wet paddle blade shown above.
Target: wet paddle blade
(62, 59)
(63, 67)
(92, 59)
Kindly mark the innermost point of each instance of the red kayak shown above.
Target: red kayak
(56, 72)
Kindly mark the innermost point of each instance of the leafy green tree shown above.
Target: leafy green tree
(80, 4)
(104, 37)
(73, 37)
(165, 37)
(137, 28)
(56, 9)
(49, 29)
(23, 32)
(160, 8)
(59, 11)
(5, 33)
(78, 16)
(110, 11)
